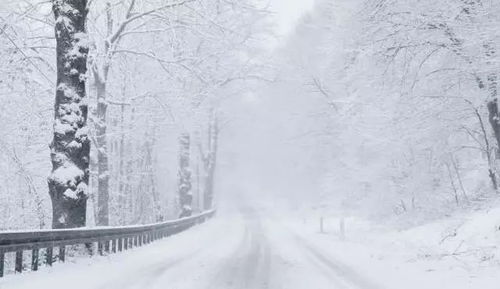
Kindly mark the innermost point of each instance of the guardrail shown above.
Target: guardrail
(108, 239)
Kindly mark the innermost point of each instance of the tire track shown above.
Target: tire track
(340, 270)
(248, 267)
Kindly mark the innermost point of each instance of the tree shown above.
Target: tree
(210, 161)
(70, 148)
(185, 186)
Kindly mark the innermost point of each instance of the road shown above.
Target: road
(243, 248)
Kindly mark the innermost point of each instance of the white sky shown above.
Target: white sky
(288, 12)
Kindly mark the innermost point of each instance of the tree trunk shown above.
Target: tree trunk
(121, 169)
(210, 162)
(493, 113)
(70, 147)
(102, 156)
(185, 193)
(494, 118)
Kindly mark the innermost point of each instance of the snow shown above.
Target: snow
(72, 194)
(419, 257)
(69, 92)
(255, 247)
(62, 128)
(68, 174)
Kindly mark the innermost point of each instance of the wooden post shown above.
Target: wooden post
(34, 259)
(342, 228)
(125, 243)
(62, 253)
(113, 245)
(120, 244)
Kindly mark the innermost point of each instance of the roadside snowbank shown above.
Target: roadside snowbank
(460, 251)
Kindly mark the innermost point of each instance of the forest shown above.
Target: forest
(150, 74)
(371, 128)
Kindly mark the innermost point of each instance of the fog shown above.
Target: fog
(249, 144)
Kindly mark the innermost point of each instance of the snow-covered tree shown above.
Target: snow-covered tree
(185, 185)
(70, 148)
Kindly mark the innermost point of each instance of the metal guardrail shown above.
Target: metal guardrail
(108, 239)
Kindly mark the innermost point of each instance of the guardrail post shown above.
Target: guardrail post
(19, 261)
(2, 261)
(99, 248)
(62, 253)
(120, 238)
(106, 246)
(48, 256)
(90, 248)
(34, 259)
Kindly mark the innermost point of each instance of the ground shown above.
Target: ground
(253, 247)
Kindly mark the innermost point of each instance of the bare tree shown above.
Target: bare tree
(185, 186)
(210, 161)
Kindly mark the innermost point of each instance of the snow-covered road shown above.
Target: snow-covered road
(243, 248)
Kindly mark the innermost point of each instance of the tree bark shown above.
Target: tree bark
(102, 156)
(184, 190)
(101, 79)
(70, 147)
(210, 162)
(494, 119)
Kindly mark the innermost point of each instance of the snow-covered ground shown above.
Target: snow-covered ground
(255, 247)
